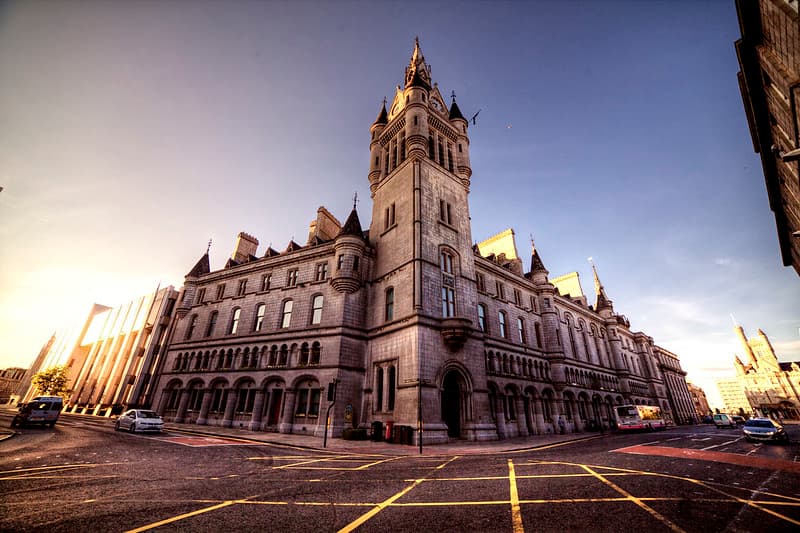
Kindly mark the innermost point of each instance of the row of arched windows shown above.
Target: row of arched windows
(520, 333)
(591, 380)
(285, 355)
(515, 365)
(257, 324)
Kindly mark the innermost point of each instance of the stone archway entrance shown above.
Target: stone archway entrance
(451, 404)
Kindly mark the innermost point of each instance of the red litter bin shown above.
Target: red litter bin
(389, 431)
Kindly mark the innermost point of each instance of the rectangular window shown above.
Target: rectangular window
(302, 402)
(286, 315)
(313, 402)
(260, 310)
(234, 327)
(201, 295)
(220, 291)
(389, 314)
(521, 330)
(517, 297)
(500, 290)
(482, 317)
(355, 263)
(266, 281)
(448, 302)
(242, 287)
(533, 304)
(501, 317)
(481, 281)
(316, 309)
(321, 273)
(445, 212)
(291, 278)
(339, 262)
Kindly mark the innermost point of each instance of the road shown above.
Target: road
(83, 476)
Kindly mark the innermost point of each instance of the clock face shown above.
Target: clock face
(437, 105)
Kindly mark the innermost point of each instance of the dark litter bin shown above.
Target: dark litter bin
(377, 431)
(406, 435)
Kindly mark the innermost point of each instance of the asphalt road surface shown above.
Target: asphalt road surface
(84, 476)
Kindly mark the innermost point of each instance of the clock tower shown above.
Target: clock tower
(422, 323)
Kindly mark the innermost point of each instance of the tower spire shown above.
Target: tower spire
(602, 301)
(536, 261)
(418, 73)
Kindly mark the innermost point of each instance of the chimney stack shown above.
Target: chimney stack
(246, 247)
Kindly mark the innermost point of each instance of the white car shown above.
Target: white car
(139, 420)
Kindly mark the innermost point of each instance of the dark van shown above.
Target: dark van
(42, 410)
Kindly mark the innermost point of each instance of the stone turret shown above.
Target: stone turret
(375, 151)
(186, 299)
(463, 166)
(350, 248)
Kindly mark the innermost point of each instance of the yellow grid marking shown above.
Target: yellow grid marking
(516, 515)
(387, 502)
(634, 499)
(182, 516)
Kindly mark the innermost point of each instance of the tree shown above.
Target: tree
(52, 381)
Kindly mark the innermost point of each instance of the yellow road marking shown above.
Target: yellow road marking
(56, 467)
(182, 516)
(634, 499)
(751, 503)
(385, 503)
(308, 462)
(516, 515)
(364, 467)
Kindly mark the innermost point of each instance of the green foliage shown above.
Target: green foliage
(52, 381)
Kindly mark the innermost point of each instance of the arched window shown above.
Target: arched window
(303, 361)
(392, 385)
(234, 326)
(284, 355)
(260, 310)
(389, 311)
(286, 313)
(501, 317)
(482, 317)
(246, 398)
(379, 389)
(315, 353)
(316, 309)
(273, 356)
(219, 397)
(177, 364)
(190, 329)
(212, 321)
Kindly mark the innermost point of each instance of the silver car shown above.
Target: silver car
(764, 429)
(135, 420)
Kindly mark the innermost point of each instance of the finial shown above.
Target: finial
(208, 248)
(384, 101)
(355, 199)
(533, 246)
(453, 95)
(416, 41)
(735, 324)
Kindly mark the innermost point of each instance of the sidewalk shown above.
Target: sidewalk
(340, 446)
(337, 445)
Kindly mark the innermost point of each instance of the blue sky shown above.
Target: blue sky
(135, 131)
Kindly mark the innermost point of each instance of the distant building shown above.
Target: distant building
(113, 355)
(408, 318)
(770, 386)
(10, 379)
(769, 79)
(680, 399)
(733, 397)
(699, 400)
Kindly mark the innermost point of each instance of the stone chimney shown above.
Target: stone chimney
(246, 246)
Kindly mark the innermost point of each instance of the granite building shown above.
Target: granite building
(769, 80)
(413, 322)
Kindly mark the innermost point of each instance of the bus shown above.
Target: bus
(630, 417)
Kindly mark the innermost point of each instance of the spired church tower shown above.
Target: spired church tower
(424, 341)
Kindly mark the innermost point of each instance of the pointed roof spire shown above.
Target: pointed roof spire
(202, 266)
(536, 261)
(602, 298)
(455, 112)
(383, 116)
(352, 226)
(418, 73)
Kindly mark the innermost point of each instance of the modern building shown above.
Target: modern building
(414, 323)
(699, 400)
(733, 397)
(769, 79)
(674, 375)
(770, 386)
(113, 355)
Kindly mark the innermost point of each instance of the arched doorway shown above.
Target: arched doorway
(451, 404)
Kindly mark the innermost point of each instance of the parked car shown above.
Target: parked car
(42, 410)
(135, 420)
(739, 420)
(764, 429)
(724, 421)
